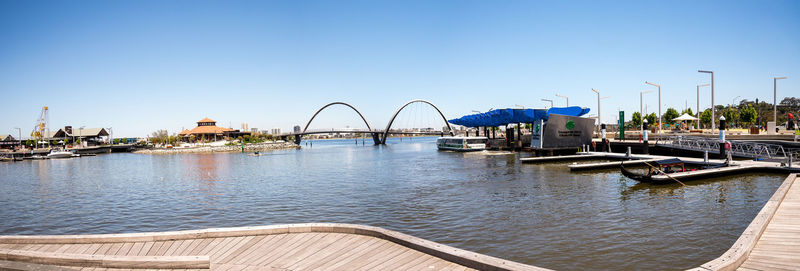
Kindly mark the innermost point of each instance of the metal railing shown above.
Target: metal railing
(753, 150)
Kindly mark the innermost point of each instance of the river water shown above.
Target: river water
(539, 214)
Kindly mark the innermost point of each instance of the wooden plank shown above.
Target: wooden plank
(192, 246)
(389, 254)
(183, 246)
(311, 250)
(297, 240)
(201, 246)
(103, 249)
(173, 247)
(135, 248)
(407, 255)
(60, 249)
(243, 249)
(145, 248)
(164, 248)
(411, 264)
(156, 246)
(222, 247)
(124, 249)
(348, 241)
(223, 255)
(431, 264)
(361, 258)
(340, 259)
(114, 249)
(276, 248)
(214, 243)
(91, 249)
(261, 249)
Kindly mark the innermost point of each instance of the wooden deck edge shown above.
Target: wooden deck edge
(740, 250)
(106, 261)
(456, 255)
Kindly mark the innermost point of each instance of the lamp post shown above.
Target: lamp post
(698, 103)
(641, 94)
(565, 97)
(712, 98)
(547, 100)
(599, 117)
(775, 98)
(659, 104)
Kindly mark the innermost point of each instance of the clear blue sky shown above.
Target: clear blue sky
(138, 66)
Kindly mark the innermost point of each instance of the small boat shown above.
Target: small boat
(461, 143)
(661, 167)
(59, 153)
(6, 159)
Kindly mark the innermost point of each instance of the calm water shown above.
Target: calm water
(536, 214)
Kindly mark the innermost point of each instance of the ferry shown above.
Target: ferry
(461, 143)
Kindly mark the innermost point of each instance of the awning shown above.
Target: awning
(501, 117)
(684, 117)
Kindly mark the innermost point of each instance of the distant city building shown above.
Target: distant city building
(254, 130)
(245, 127)
(296, 129)
(275, 131)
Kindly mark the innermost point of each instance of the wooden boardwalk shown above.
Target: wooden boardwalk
(282, 247)
(778, 248)
(772, 240)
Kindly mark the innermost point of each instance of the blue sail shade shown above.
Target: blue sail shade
(501, 117)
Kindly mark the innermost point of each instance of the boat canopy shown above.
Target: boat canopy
(669, 162)
(501, 117)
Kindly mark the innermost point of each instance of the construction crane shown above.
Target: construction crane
(41, 130)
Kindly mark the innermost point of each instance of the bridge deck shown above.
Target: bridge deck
(284, 247)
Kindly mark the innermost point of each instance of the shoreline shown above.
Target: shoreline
(222, 149)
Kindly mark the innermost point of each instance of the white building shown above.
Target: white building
(275, 131)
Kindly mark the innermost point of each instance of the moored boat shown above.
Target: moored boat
(59, 153)
(461, 143)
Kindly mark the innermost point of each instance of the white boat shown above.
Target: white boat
(59, 153)
(461, 143)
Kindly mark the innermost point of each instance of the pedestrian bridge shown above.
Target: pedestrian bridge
(378, 136)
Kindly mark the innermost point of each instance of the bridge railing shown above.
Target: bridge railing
(738, 148)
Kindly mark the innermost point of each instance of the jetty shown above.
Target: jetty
(312, 246)
(772, 240)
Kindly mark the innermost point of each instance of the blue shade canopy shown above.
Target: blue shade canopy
(500, 117)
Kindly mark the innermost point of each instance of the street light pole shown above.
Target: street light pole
(565, 97)
(712, 98)
(698, 104)
(599, 118)
(659, 104)
(547, 100)
(775, 98)
(641, 94)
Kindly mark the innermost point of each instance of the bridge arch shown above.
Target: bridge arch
(335, 103)
(389, 125)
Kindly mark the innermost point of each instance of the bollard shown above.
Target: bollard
(705, 156)
(603, 136)
(722, 136)
(628, 153)
(645, 145)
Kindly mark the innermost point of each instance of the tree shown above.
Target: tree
(731, 115)
(651, 119)
(636, 118)
(688, 111)
(748, 115)
(705, 117)
(670, 114)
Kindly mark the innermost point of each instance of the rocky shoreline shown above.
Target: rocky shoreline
(213, 149)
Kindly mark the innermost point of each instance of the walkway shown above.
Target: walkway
(772, 240)
(281, 247)
(779, 245)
